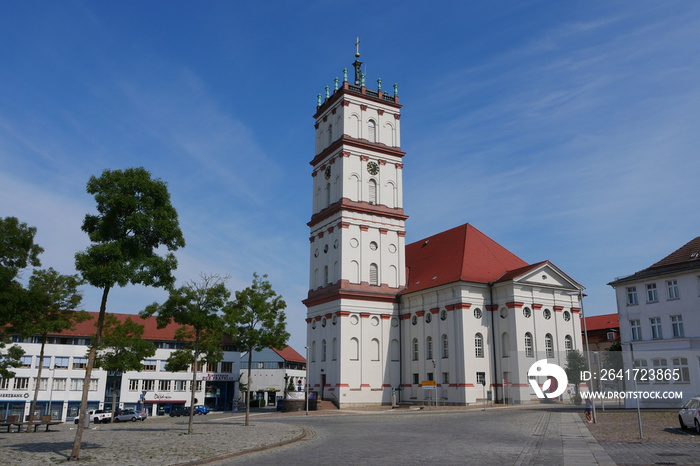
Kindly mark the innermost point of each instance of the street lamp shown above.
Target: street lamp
(306, 385)
(579, 294)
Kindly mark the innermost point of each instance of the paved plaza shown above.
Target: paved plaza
(504, 435)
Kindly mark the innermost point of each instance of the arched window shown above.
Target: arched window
(328, 194)
(394, 350)
(323, 350)
(325, 275)
(373, 274)
(353, 188)
(568, 344)
(505, 345)
(313, 351)
(415, 349)
(478, 345)
(528, 345)
(330, 134)
(429, 348)
(354, 349)
(371, 131)
(390, 198)
(315, 284)
(549, 345)
(334, 350)
(375, 349)
(354, 272)
(445, 347)
(372, 192)
(393, 276)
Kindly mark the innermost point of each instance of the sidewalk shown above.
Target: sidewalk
(563, 438)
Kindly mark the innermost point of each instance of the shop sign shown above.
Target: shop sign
(220, 377)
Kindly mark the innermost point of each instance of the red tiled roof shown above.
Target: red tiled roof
(289, 354)
(607, 321)
(459, 254)
(150, 327)
(688, 253)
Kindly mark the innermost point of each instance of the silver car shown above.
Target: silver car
(689, 415)
(128, 415)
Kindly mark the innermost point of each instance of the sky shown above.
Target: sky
(565, 131)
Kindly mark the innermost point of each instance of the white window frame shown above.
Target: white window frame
(672, 287)
(632, 296)
(478, 345)
(677, 326)
(656, 330)
(636, 329)
(652, 293)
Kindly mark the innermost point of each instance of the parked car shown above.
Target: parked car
(179, 412)
(201, 409)
(96, 416)
(689, 414)
(129, 415)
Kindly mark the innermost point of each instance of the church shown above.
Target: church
(455, 317)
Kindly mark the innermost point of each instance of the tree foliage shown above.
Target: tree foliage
(122, 349)
(256, 320)
(134, 220)
(50, 307)
(575, 364)
(197, 307)
(17, 252)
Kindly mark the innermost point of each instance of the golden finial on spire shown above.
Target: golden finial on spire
(357, 48)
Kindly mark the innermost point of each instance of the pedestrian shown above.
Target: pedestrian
(589, 410)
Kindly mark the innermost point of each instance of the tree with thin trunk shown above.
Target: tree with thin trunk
(17, 251)
(135, 219)
(197, 307)
(122, 349)
(255, 320)
(575, 365)
(51, 307)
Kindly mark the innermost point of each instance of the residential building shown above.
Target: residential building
(273, 371)
(455, 312)
(660, 325)
(154, 389)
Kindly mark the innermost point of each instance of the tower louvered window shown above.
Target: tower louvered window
(373, 274)
(372, 192)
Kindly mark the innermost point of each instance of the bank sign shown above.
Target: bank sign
(15, 395)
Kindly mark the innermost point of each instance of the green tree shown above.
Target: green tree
(575, 364)
(50, 307)
(17, 251)
(122, 349)
(255, 320)
(135, 219)
(197, 307)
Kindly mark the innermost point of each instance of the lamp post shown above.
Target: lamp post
(306, 384)
(579, 294)
(53, 375)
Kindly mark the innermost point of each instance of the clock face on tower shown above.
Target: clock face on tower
(372, 168)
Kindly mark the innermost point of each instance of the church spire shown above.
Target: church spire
(358, 64)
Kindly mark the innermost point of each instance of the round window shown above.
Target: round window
(313, 323)
(414, 320)
(325, 248)
(567, 316)
(504, 313)
(477, 313)
(428, 317)
(354, 242)
(323, 322)
(443, 315)
(394, 322)
(373, 246)
(335, 319)
(375, 321)
(354, 319)
(527, 312)
(547, 314)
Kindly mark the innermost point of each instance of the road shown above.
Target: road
(505, 436)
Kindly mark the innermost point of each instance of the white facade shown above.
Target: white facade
(371, 334)
(272, 372)
(65, 358)
(660, 327)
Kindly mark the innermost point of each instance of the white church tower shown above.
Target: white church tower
(357, 244)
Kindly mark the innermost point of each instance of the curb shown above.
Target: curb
(305, 434)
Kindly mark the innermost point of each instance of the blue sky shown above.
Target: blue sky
(565, 131)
